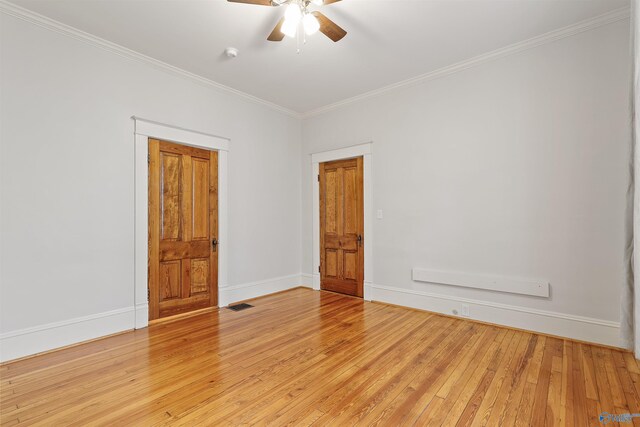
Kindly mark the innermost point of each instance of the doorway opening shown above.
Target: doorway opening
(145, 131)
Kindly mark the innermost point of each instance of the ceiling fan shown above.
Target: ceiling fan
(297, 13)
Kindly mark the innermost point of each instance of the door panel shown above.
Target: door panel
(170, 197)
(200, 199)
(170, 280)
(350, 200)
(331, 263)
(199, 275)
(350, 264)
(331, 198)
(341, 226)
(183, 222)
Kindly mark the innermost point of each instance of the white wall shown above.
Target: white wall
(66, 149)
(516, 167)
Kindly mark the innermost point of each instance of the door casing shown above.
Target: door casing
(143, 130)
(366, 151)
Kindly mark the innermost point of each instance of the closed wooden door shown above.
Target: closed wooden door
(342, 226)
(183, 227)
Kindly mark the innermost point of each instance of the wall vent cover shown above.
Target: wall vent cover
(239, 307)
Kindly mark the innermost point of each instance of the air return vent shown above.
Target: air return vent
(239, 307)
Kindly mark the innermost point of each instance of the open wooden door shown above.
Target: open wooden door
(183, 228)
(342, 226)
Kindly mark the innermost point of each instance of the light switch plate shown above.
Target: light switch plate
(379, 214)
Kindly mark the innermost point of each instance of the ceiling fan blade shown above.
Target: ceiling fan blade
(326, 2)
(329, 28)
(258, 2)
(277, 35)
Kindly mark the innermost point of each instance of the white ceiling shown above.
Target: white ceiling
(388, 40)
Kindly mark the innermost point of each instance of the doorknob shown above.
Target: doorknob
(359, 239)
(214, 244)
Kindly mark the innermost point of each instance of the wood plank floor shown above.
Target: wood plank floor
(304, 357)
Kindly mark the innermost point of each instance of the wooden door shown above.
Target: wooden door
(342, 226)
(183, 227)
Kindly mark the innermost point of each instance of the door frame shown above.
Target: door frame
(366, 151)
(143, 130)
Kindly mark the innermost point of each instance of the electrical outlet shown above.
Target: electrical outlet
(465, 310)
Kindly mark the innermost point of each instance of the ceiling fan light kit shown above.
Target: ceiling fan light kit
(297, 16)
(292, 17)
(310, 24)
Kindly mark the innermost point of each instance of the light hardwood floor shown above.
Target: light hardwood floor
(304, 357)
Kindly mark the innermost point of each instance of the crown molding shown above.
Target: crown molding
(571, 30)
(19, 12)
(551, 36)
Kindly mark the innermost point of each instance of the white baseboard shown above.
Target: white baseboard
(41, 338)
(306, 280)
(29, 341)
(232, 294)
(37, 339)
(564, 325)
(142, 315)
(316, 281)
(367, 291)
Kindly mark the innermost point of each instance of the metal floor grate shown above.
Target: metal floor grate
(239, 307)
